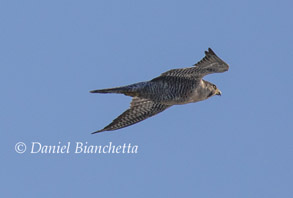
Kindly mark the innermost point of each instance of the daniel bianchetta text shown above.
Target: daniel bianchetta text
(82, 147)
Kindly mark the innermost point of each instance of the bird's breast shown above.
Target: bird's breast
(197, 94)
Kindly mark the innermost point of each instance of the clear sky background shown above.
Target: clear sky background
(52, 53)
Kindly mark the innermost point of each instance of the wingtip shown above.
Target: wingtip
(98, 131)
(210, 51)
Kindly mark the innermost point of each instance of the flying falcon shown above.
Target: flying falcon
(174, 87)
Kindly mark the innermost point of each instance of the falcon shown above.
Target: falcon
(174, 87)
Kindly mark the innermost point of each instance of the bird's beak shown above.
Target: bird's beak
(218, 92)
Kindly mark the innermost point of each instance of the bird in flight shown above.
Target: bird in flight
(174, 87)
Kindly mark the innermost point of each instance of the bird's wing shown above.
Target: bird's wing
(211, 63)
(140, 109)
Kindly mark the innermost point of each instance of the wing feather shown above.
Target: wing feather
(211, 63)
(140, 109)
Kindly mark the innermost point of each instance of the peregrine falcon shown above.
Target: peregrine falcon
(174, 87)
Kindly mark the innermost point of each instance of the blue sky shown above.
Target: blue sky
(52, 53)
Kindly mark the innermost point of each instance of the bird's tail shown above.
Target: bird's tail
(111, 90)
(130, 90)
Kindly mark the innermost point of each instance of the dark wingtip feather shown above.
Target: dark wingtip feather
(210, 52)
(208, 55)
(99, 131)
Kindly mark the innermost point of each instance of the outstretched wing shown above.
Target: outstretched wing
(140, 109)
(211, 63)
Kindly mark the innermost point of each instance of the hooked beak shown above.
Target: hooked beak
(218, 92)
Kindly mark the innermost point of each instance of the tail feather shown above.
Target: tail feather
(120, 90)
(111, 90)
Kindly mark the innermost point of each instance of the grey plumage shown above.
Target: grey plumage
(176, 86)
(139, 110)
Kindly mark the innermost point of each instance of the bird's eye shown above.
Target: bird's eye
(214, 86)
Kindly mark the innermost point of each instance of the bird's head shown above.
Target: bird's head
(212, 89)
